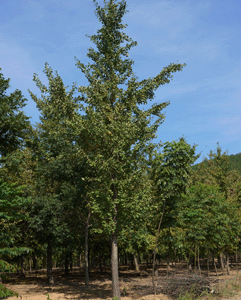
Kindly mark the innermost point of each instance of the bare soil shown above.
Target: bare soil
(133, 285)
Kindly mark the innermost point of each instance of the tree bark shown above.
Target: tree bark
(199, 268)
(136, 263)
(208, 262)
(236, 259)
(50, 277)
(66, 262)
(87, 278)
(154, 256)
(221, 261)
(228, 268)
(22, 271)
(34, 263)
(114, 267)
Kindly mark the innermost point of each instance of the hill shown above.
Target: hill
(234, 163)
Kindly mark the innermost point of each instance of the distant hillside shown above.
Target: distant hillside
(235, 163)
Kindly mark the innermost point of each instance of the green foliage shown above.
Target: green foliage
(117, 131)
(207, 219)
(14, 125)
(171, 170)
(12, 213)
(235, 162)
(5, 293)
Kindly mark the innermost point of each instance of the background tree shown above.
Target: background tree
(171, 174)
(208, 221)
(14, 124)
(12, 213)
(54, 150)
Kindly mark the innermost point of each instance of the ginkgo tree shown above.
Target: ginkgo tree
(119, 128)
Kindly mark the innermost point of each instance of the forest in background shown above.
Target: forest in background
(87, 186)
(234, 162)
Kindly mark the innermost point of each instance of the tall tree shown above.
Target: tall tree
(119, 130)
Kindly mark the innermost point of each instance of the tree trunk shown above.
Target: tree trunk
(66, 262)
(199, 268)
(30, 264)
(214, 263)
(154, 256)
(139, 258)
(236, 259)
(50, 277)
(34, 263)
(228, 269)
(22, 270)
(114, 266)
(195, 259)
(221, 261)
(125, 258)
(100, 263)
(87, 278)
(136, 263)
(71, 262)
(208, 262)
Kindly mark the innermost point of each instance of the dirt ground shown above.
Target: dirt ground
(133, 285)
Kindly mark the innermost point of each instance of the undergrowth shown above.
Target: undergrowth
(5, 293)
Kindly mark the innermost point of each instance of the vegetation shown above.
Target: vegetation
(234, 163)
(87, 184)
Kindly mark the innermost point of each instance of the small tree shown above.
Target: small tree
(171, 174)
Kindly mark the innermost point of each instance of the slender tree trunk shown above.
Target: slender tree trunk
(100, 263)
(195, 259)
(34, 263)
(208, 262)
(221, 261)
(50, 277)
(168, 265)
(78, 260)
(114, 267)
(125, 258)
(87, 278)
(139, 258)
(154, 256)
(22, 271)
(215, 265)
(136, 263)
(66, 262)
(71, 262)
(236, 259)
(199, 268)
(30, 264)
(228, 269)
(114, 246)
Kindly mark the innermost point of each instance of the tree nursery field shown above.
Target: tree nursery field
(86, 192)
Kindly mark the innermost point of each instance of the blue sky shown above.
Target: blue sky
(205, 98)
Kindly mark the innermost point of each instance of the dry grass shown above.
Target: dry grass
(176, 284)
